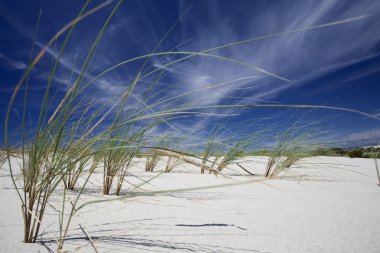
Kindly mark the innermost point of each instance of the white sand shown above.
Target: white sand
(323, 204)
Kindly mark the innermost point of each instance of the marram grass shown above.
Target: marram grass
(68, 138)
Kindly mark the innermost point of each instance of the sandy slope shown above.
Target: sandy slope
(323, 204)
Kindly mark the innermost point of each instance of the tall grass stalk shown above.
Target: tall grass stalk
(48, 157)
(3, 157)
(375, 160)
(377, 167)
(212, 147)
(131, 153)
(76, 168)
(64, 225)
(118, 160)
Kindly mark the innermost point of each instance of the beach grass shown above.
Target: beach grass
(73, 134)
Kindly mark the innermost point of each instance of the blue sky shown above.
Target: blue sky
(335, 65)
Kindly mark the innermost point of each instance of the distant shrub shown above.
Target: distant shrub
(329, 152)
(321, 152)
(355, 153)
(264, 152)
(338, 151)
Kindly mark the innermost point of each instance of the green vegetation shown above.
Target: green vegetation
(212, 148)
(151, 161)
(358, 152)
(355, 153)
(291, 146)
(72, 137)
(226, 143)
(171, 163)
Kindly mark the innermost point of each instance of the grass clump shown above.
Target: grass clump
(113, 162)
(152, 161)
(291, 146)
(224, 146)
(75, 171)
(47, 162)
(171, 163)
(212, 148)
(131, 151)
(56, 145)
(76, 167)
(118, 155)
(155, 156)
(233, 153)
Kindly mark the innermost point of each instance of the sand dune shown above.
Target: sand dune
(322, 204)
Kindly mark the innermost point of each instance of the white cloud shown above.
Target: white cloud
(12, 64)
(299, 57)
(377, 113)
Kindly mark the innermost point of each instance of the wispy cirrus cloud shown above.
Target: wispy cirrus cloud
(12, 64)
(298, 57)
